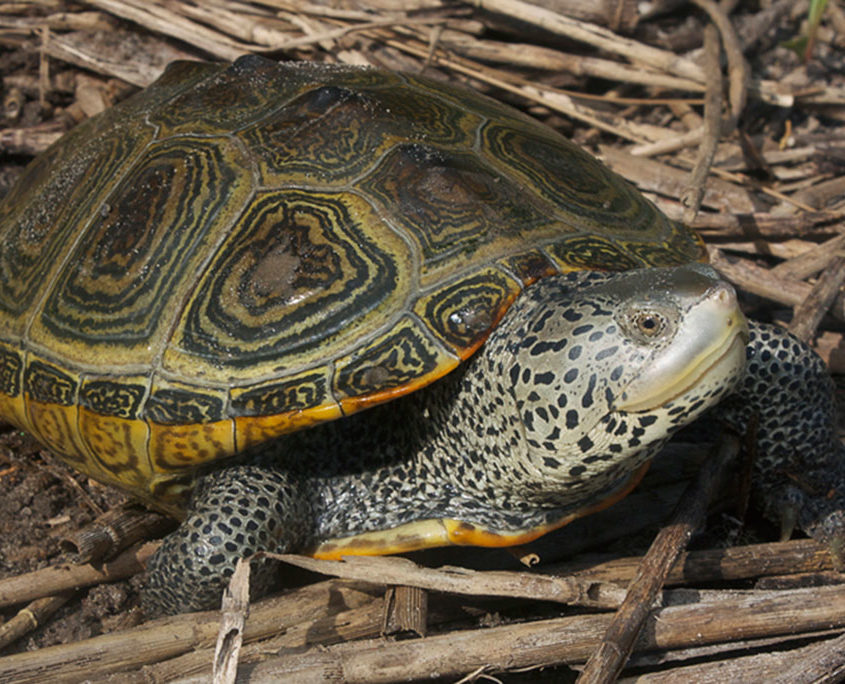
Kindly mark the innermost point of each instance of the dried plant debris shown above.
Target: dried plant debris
(728, 115)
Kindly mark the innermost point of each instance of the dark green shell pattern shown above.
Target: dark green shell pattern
(240, 251)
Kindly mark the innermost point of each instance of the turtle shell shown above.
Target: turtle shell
(241, 251)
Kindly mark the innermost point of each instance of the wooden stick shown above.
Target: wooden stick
(809, 313)
(405, 610)
(693, 194)
(31, 617)
(563, 640)
(169, 637)
(718, 565)
(114, 531)
(402, 571)
(608, 660)
(596, 36)
(40, 583)
(234, 610)
(817, 663)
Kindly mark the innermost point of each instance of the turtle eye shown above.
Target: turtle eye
(650, 323)
(647, 322)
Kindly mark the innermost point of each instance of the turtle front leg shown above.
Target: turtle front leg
(800, 461)
(234, 512)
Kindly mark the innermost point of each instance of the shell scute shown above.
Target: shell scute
(301, 278)
(299, 142)
(243, 251)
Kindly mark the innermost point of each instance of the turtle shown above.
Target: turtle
(339, 310)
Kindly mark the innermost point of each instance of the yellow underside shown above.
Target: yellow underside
(431, 533)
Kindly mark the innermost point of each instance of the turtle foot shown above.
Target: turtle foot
(814, 502)
(799, 466)
(233, 513)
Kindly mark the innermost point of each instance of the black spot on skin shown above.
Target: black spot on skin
(585, 444)
(528, 419)
(582, 329)
(571, 315)
(577, 471)
(571, 419)
(616, 373)
(605, 353)
(587, 399)
(544, 346)
(550, 462)
(571, 375)
(546, 378)
(575, 352)
(645, 421)
(540, 323)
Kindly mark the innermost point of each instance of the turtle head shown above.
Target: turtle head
(604, 367)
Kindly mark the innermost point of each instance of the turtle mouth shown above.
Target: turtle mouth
(713, 358)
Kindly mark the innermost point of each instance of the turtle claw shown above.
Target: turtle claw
(788, 522)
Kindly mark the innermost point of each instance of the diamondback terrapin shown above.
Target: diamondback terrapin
(240, 252)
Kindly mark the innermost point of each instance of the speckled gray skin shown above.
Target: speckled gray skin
(526, 432)
(800, 462)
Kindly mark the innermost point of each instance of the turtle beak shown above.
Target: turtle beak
(708, 354)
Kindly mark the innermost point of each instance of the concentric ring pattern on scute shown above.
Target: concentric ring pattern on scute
(240, 251)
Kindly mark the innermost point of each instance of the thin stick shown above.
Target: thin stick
(692, 196)
(607, 661)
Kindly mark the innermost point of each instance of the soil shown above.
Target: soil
(41, 501)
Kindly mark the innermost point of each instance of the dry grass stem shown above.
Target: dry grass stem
(401, 571)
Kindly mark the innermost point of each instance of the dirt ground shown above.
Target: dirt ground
(41, 500)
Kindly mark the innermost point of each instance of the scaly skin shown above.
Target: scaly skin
(799, 470)
(511, 441)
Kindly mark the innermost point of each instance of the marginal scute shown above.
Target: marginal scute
(582, 252)
(51, 408)
(107, 397)
(11, 367)
(529, 267)
(175, 448)
(45, 383)
(176, 406)
(463, 313)
(252, 431)
(297, 393)
(12, 400)
(117, 448)
(403, 359)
